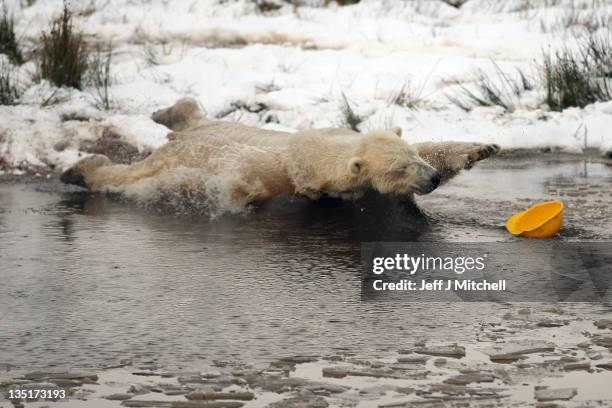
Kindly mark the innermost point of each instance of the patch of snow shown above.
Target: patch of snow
(295, 64)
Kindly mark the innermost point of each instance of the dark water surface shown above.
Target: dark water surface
(87, 280)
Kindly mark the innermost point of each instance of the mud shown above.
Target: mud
(517, 368)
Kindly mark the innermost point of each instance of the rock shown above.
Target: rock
(206, 404)
(244, 372)
(376, 390)
(39, 386)
(405, 390)
(341, 372)
(552, 323)
(277, 384)
(554, 309)
(182, 404)
(64, 383)
(208, 389)
(326, 387)
(243, 396)
(552, 394)
(222, 381)
(335, 372)
(8, 383)
(578, 365)
(302, 400)
(145, 404)
(406, 367)
(603, 324)
(448, 389)
(605, 366)
(453, 351)
(583, 345)
(138, 389)
(594, 355)
(404, 404)
(420, 343)
(210, 374)
(604, 341)
(513, 351)
(412, 359)
(79, 376)
(146, 373)
(81, 394)
(464, 379)
(300, 359)
(192, 379)
(118, 397)
(174, 391)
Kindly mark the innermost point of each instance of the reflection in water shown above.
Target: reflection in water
(90, 280)
(87, 280)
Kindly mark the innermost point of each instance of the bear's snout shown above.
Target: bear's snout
(430, 184)
(435, 180)
(430, 179)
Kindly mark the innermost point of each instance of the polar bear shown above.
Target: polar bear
(262, 164)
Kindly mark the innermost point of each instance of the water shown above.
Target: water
(87, 280)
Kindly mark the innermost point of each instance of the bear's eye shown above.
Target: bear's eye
(403, 168)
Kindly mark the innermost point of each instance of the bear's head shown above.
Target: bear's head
(392, 166)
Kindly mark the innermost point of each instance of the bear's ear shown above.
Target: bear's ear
(397, 130)
(355, 165)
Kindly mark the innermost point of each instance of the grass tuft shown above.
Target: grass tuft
(267, 6)
(100, 78)
(578, 78)
(8, 40)
(503, 90)
(63, 56)
(349, 118)
(406, 97)
(342, 3)
(9, 89)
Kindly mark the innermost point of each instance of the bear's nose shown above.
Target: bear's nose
(435, 180)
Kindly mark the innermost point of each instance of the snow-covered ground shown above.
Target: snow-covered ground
(288, 69)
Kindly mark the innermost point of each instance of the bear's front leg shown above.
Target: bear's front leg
(449, 158)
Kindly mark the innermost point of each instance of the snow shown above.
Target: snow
(297, 62)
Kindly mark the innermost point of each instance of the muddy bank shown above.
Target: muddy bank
(513, 360)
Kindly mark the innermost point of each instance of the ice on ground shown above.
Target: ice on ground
(289, 68)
